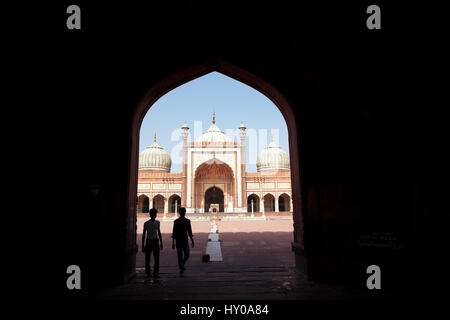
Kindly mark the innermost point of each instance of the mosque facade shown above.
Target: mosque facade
(214, 177)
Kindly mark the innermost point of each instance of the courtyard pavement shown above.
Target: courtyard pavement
(257, 264)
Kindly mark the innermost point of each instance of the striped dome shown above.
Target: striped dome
(155, 157)
(272, 158)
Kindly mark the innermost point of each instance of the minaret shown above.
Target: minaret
(185, 131)
(242, 134)
(184, 134)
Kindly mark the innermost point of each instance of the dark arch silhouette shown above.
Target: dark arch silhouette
(158, 203)
(256, 200)
(146, 205)
(284, 202)
(214, 195)
(174, 203)
(143, 204)
(269, 202)
(179, 78)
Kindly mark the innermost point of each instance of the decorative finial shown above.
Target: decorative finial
(271, 137)
(154, 138)
(214, 118)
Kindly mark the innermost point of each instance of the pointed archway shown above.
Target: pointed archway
(143, 204)
(269, 203)
(158, 203)
(174, 203)
(164, 86)
(215, 185)
(284, 202)
(253, 203)
(214, 196)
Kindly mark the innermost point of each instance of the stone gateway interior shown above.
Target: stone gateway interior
(368, 159)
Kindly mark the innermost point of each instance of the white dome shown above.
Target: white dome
(214, 134)
(272, 158)
(155, 157)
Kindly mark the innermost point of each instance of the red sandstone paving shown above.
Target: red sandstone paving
(258, 264)
(249, 243)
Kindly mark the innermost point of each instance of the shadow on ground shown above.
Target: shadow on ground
(257, 265)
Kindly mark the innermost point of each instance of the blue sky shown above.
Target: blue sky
(195, 102)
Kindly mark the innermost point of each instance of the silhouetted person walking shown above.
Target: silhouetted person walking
(149, 245)
(181, 230)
